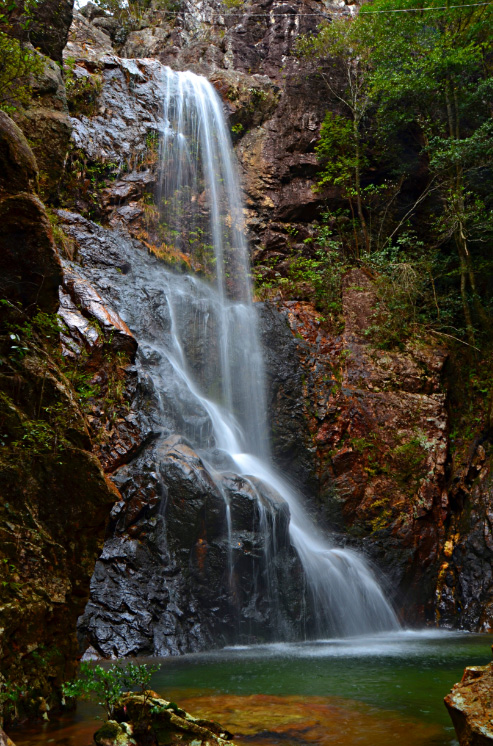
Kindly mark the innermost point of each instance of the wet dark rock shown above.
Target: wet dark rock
(171, 579)
(30, 270)
(292, 446)
(92, 305)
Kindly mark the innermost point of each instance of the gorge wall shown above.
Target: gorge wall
(363, 432)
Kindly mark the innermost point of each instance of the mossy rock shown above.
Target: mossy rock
(155, 720)
(114, 734)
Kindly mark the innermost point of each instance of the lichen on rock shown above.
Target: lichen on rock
(469, 706)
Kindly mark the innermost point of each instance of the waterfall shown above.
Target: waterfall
(202, 216)
(202, 367)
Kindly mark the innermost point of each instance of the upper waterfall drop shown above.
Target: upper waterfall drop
(215, 350)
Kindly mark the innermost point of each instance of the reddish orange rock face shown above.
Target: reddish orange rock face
(378, 423)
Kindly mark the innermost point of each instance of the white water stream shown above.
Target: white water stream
(215, 352)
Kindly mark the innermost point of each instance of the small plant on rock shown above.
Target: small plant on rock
(106, 685)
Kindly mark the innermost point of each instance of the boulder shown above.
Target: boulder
(155, 720)
(49, 31)
(30, 269)
(18, 167)
(469, 705)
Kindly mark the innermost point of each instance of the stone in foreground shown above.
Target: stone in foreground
(146, 720)
(470, 705)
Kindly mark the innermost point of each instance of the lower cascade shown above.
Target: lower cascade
(225, 552)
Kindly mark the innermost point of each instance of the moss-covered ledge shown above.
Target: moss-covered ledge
(148, 720)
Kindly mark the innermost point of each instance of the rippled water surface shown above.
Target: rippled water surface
(374, 691)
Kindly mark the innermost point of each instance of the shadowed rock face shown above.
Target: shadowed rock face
(171, 579)
(29, 265)
(17, 163)
(51, 26)
(465, 581)
(55, 496)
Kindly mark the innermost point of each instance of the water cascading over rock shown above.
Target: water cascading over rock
(222, 550)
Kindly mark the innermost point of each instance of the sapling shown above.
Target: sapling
(106, 685)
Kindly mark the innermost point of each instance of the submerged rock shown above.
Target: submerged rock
(470, 707)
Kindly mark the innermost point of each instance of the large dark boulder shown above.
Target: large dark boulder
(18, 168)
(30, 270)
(49, 31)
(173, 577)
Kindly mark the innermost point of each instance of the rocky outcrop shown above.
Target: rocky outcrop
(45, 123)
(29, 265)
(49, 31)
(465, 582)
(55, 496)
(189, 558)
(147, 718)
(361, 430)
(173, 579)
(469, 706)
(370, 441)
(17, 162)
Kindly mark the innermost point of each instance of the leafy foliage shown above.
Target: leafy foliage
(18, 60)
(407, 144)
(106, 685)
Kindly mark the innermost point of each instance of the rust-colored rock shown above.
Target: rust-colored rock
(377, 427)
(92, 305)
(470, 706)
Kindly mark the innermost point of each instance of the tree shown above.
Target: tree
(341, 146)
(18, 59)
(106, 685)
(428, 73)
(433, 68)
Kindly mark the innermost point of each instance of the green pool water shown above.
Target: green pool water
(368, 691)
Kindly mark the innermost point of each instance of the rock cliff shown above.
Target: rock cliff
(47, 555)
(363, 431)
